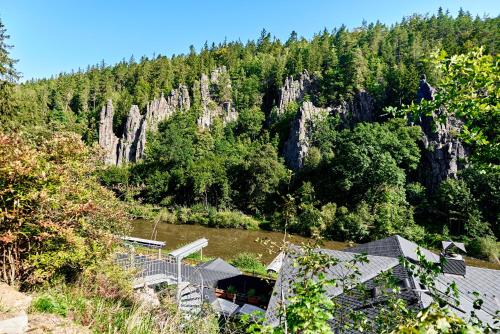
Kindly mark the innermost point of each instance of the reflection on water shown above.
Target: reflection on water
(224, 243)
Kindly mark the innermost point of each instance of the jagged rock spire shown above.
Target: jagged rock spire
(130, 146)
(443, 152)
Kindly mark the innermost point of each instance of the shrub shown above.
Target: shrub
(486, 247)
(249, 262)
(233, 219)
(55, 218)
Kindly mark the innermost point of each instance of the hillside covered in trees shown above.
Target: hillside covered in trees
(312, 136)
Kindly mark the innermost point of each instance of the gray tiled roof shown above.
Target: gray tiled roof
(220, 265)
(383, 256)
(484, 281)
(287, 276)
(394, 246)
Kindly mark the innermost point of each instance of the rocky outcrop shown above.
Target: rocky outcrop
(161, 109)
(13, 312)
(294, 90)
(107, 138)
(443, 153)
(359, 109)
(299, 141)
(130, 147)
(216, 98)
(215, 101)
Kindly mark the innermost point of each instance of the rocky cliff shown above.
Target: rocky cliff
(443, 152)
(107, 138)
(216, 98)
(359, 109)
(299, 141)
(215, 101)
(294, 90)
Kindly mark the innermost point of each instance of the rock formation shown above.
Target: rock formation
(299, 141)
(294, 90)
(359, 109)
(215, 101)
(107, 138)
(130, 147)
(216, 98)
(443, 153)
(161, 109)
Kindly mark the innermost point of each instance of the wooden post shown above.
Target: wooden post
(201, 254)
(159, 253)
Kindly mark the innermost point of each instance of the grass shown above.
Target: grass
(104, 302)
(249, 263)
(47, 303)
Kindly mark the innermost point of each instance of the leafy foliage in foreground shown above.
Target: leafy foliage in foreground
(468, 90)
(102, 300)
(310, 309)
(55, 218)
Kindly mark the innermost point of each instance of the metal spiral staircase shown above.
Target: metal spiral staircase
(190, 299)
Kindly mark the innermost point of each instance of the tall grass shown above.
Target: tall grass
(102, 303)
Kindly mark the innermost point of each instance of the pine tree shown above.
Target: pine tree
(8, 75)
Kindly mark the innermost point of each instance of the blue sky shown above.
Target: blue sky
(55, 36)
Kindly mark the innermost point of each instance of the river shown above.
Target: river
(228, 242)
(224, 243)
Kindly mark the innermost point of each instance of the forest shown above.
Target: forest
(360, 180)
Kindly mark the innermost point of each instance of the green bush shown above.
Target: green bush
(249, 262)
(56, 218)
(486, 248)
(233, 219)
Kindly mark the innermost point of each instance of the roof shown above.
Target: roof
(459, 245)
(143, 242)
(251, 309)
(224, 306)
(486, 282)
(148, 266)
(383, 255)
(220, 265)
(394, 246)
(367, 271)
(276, 264)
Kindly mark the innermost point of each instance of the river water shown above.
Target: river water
(227, 243)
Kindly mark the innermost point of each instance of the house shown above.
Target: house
(384, 256)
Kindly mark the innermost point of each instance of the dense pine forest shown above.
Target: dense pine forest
(361, 179)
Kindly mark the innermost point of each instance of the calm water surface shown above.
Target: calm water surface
(227, 243)
(224, 243)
